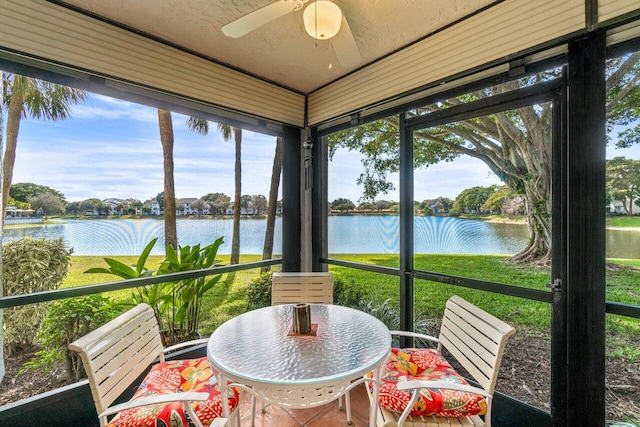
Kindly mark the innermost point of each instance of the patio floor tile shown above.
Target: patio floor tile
(320, 416)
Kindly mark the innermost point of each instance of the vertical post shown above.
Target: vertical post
(2, 369)
(291, 199)
(306, 194)
(406, 226)
(558, 262)
(585, 249)
(319, 202)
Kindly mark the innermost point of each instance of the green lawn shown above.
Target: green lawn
(228, 298)
(623, 221)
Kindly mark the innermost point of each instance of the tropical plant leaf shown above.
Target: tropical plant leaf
(172, 256)
(144, 255)
(120, 269)
(98, 270)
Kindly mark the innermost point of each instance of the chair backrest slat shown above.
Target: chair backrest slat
(476, 339)
(121, 340)
(292, 288)
(480, 344)
(118, 352)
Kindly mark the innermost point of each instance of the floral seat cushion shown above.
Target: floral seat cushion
(426, 364)
(175, 377)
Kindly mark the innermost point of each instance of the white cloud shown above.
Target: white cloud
(99, 107)
(111, 148)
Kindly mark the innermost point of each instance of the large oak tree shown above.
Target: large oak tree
(515, 144)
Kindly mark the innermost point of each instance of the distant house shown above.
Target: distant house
(14, 212)
(616, 207)
(249, 210)
(438, 206)
(114, 207)
(187, 206)
(153, 206)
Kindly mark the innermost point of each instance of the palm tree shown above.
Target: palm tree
(227, 131)
(267, 251)
(165, 123)
(202, 127)
(26, 97)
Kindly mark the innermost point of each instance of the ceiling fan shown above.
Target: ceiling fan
(323, 20)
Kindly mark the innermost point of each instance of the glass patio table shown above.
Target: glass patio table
(259, 353)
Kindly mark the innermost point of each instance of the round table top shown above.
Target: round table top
(257, 346)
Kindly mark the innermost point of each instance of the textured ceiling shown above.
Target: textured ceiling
(281, 51)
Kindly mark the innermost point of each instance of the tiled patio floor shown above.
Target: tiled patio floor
(321, 416)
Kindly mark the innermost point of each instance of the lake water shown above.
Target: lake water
(347, 234)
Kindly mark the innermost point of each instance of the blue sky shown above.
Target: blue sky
(111, 148)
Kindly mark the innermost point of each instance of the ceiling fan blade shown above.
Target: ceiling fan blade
(258, 18)
(345, 46)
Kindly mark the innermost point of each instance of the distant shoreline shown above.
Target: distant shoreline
(609, 227)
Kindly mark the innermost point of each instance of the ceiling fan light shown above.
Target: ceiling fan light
(322, 19)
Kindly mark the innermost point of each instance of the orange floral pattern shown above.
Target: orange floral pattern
(425, 364)
(176, 377)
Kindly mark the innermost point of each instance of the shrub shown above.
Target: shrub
(30, 265)
(391, 318)
(348, 296)
(259, 291)
(67, 321)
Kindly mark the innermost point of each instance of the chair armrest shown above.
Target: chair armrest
(443, 384)
(185, 344)
(189, 396)
(415, 335)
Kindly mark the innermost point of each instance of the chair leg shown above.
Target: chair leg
(253, 411)
(347, 400)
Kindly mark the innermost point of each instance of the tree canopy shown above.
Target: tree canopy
(515, 144)
(623, 182)
(48, 203)
(23, 191)
(342, 204)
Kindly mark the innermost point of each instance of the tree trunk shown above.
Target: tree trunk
(14, 115)
(235, 241)
(267, 252)
(538, 208)
(166, 137)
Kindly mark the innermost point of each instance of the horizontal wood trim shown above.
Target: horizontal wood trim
(505, 29)
(611, 9)
(50, 32)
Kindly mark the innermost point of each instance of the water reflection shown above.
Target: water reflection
(347, 234)
(380, 234)
(623, 244)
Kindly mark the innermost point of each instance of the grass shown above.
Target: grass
(228, 299)
(623, 221)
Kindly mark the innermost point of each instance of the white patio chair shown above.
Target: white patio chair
(296, 288)
(476, 340)
(120, 351)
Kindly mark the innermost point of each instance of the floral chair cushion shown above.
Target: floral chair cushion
(175, 377)
(426, 364)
